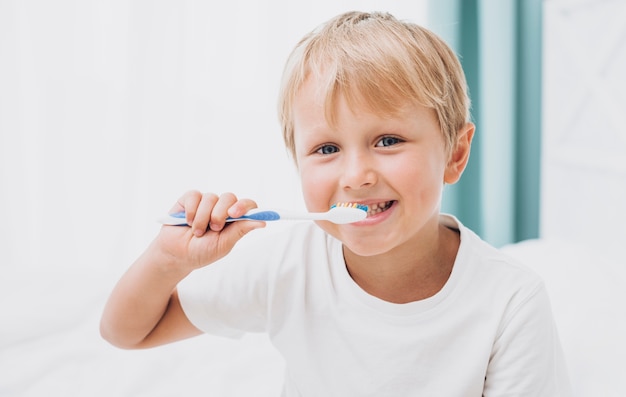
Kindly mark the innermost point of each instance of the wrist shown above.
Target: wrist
(165, 264)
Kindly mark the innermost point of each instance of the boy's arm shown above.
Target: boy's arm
(143, 309)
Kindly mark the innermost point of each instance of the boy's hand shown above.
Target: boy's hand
(209, 238)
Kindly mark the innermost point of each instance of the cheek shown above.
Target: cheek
(316, 188)
(422, 180)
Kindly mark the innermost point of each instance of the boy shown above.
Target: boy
(406, 302)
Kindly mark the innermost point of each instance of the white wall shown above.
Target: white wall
(584, 134)
(109, 111)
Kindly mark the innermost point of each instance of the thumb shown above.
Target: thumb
(236, 230)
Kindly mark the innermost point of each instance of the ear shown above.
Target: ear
(460, 154)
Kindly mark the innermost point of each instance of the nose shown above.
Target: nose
(358, 172)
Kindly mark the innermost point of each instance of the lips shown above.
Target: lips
(377, 208)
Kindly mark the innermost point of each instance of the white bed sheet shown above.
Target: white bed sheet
(75, 362)
(50, 346)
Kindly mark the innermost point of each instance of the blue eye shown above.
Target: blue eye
(388, 141)
(327, 149)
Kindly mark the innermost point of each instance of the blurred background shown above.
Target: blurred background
(109, 111)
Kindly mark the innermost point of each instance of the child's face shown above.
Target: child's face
(396, 163)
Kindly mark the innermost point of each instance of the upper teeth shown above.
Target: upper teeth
(376, 208)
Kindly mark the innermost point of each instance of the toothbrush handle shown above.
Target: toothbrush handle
(257, 216)
(178, 218)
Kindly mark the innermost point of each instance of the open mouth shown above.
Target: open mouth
(377, 208)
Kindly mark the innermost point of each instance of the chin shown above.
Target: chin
(361, 243)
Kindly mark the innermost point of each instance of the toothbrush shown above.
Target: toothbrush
(339, 213)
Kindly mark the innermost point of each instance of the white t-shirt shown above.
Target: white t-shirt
(489, 331)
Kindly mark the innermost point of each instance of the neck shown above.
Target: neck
(414, 271)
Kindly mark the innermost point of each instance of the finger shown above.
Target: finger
(188, 202)
(220, 211)
(241, 207)
(203, 214)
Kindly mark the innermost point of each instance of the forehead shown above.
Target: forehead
(323, 98)
(315, 116)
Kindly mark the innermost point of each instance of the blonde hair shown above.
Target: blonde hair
(377, 61)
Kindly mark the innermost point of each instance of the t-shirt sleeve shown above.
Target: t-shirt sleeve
(527, 359)
(229, 297)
